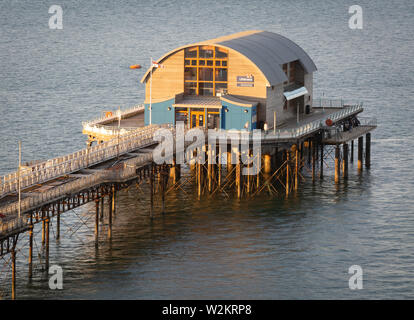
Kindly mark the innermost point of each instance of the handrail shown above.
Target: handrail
(309, 127)
(124, 113)
(333, 103)
(53, 168)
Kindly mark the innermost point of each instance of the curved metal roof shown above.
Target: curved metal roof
(267, 50)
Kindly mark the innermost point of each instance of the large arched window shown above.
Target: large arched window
(205, 70)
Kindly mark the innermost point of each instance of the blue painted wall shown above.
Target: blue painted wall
(160, 113)
(236, 117)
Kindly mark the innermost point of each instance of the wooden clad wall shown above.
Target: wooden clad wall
(241, 66)
(167, 81)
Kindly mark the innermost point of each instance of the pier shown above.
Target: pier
(98, 172)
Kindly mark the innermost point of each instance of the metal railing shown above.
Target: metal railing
(124, 114)
(81, 159)
(310, 127)
(333, 103)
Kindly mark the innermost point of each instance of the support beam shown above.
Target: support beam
(287, 171)
(110, 216)
(313, 152)
(360, 151)
(267, 163)
(238, 176)
(47, 244)
(13, 261)
(337, 164)
(96, 221)
(345, 161)
(321, 166)
(43, 230)
(113, 200)
(152, 190)
(368, 150)
(297, 154)
(352, 151)
(58, 222)
(30, 251)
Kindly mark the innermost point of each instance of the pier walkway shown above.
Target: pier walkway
(55, 178)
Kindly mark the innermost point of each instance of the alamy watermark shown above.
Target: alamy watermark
(56, 279)
(245, 147)
(355, 281)
(56, 20)
(356, 20)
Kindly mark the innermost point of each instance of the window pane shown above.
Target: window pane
(206, 74)
(190, 73)
(205, 88)
(206, 52)
(210, 62)
(221, 88)
(190, 88)
(190, 52)
(187, 62)
(224, 63)
(194, 62)
(202, 62)
(221, 53)
(221, 74)
(181, 116)
(218, 63)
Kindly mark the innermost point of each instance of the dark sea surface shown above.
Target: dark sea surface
(265, 248)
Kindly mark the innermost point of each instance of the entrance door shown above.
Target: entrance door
(197, 118)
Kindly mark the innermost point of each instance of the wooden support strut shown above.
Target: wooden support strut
(313, 151)
(58, 222)
(360, 150)
(368, 150)
(287, 171)
(13, 261)
(110, 216)
(296, 168)
(30, 250)
(321, 165)
(96, 221)
(47, 244)
(337, 164)
(345, 161)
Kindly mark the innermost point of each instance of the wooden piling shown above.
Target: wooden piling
(30, 251)
(238, 176)
(313, 159)
(113, 199)
(267, 163)
(352, 151)
(337, 164)
(110, 216)
(297, 153)
(345, 161)
(102, 207)
(321, 165)
(368, 150)
(152, 191)
(58, 222)
(96, 221)
(43, 231)
(360, 151)
(287, 171)
(13, 261)
(47, 245)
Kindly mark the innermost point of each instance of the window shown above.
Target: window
(205, 70)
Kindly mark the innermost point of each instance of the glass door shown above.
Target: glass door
(197, 118)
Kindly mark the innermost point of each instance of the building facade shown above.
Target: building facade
(240, 81)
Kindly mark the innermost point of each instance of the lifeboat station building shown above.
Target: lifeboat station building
(240, 81)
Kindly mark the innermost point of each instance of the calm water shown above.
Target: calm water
(51, 80)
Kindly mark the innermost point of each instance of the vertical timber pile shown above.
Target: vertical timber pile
(296, 167)
(110, 215)
(96, 221)
(313, 160)
(47, 243)
(337, 167)
(368, 150)
(13, 261)
(58, 222)
(287, 171)
(360, 150)
(352, 151)
(152, 190)
(321, 165)
(345, 161)
(30, 249)
(238, 176)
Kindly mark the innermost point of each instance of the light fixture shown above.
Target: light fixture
(246, 111)
(226, 110)
(169, 108)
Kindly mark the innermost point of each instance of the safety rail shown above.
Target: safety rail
(84, 158)
(333, 103)
(310, 127)
(124, 114)
(113, 131)
(128, 170)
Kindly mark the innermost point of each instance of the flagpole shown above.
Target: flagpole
(150, 105)
(18, 173)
